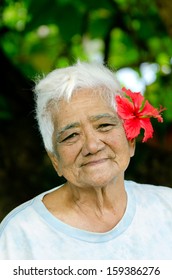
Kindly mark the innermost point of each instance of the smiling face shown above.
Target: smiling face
(90, 144)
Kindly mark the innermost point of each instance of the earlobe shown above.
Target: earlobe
(132, 144)
(54, 162)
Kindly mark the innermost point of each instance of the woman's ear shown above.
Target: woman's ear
(132, 144)
(55, 162)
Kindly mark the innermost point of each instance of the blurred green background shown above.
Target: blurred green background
(133, 37)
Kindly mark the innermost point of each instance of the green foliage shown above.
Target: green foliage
(38, 36)
(14, 15)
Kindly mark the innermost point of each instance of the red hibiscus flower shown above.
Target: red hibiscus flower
(136, 113)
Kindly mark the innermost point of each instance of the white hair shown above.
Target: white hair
(60, 84)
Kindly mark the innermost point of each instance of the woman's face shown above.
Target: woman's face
(90, 144)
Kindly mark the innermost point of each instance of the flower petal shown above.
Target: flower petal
(150, 111)
(147, 126)
(125, 108)
(132, 128)
(136, 98)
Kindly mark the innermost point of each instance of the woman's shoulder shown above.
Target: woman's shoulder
(150, 191)
(24, 212)
(151, 187)
(19, 213)
(144, 187)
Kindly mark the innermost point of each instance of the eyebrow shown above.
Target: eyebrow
(91, 118)
(100, 116)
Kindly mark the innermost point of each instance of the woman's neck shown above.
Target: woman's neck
(92, 209)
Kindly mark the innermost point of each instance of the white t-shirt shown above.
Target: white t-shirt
(145, 232)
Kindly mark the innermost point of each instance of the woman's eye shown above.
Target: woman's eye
(105, 126)
(70, 137)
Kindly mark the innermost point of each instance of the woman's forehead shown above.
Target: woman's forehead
(87, 104)
(90, 97)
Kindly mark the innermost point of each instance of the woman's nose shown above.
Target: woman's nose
(92, 144)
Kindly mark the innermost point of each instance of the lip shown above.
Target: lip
(94, 162)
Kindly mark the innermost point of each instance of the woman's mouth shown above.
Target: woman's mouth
(95, 162)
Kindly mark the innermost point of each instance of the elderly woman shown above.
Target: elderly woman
(89, 125)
